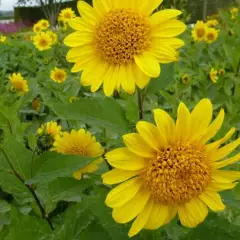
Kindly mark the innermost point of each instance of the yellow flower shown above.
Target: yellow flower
(58, 75)
(37, 28)
(66, 15)
(185, 79)
(121, 43)
(73, 99)
(211, 35)
(234, 10)
(212, 23)
(171, 169)
(42, 41)
(44, 24)
(53, 35)
(80, 143)
(50, 128)
(199, 31)
(3, 39)
(221, 72)
(18, 83)
(213, 75)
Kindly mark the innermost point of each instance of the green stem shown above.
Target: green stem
(140, 103)
(43, 212)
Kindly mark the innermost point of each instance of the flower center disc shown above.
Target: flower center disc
(200, 32)
(179, 174)
(122, 34)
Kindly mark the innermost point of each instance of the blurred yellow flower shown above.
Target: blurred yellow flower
(170, 169)
(211, 35)
(199, 31)
(37, 28)
(42, 41)
(212, 23)
(50, 128)
(18, 83)
(43, 23)
(73, 99)
(66, 15)
(123, 46)
(213, 75)
(36, 104)
(58, 75)
(80, 143)
(53, 35)
(185, 79)
(3, 39)
(221, 72)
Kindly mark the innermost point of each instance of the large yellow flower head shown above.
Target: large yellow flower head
(66, 15)
(211, 35)
(43, 23)
(171, 169)
(199, 31)
(18, 83)
(121, 43)
(42, 41)
(3, 39)
(58, 75)
(213, 75)
(37, 28)
(50, 128)
(80, 143)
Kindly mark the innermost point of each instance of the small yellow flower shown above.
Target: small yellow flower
(123, 43)
(50, 128)
(37, 28)
(58, 75)
(234, 10)
(213, 75)
(44, 24)
(211, 35)
(199, 31)
(3, 39)
(53, 35)
(36, 104)
(73, 99)
(42, 41)
(212, 23)
(80, 143)
(185, 79)
(171, 169)
(18, 83)
(66, 15)
(221, 72)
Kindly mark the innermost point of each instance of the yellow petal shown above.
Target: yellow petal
(110, 80)
(147, 7)
(201, 117)
(163, 15)
(102, 6)
(127, 78)
(175, 43)
(165, 124)
(137, 145)
(141, 219)
(82, 63)
(225, 176)
(192, 213)
(164, 54)
(224, 151)
(132, 208)
(224, 163)
(183, 123)
(141, 79)
(87, 169)
(170, 28)
(123, 193)
(151, 135)
(148, 64)
(78, 24)
(123, 158)
(172, 211)
(78, 38)
(212, 200)
(219, 186)
(158, 216)
(87, 12)
(118, 175)
(212, 130)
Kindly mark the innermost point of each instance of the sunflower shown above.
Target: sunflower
(199, 31)
(3, 39)
(58, 75)
(37, 28)
(53, 35)
(80, 143)
(213, 75)
(121, 43)
(212, 23)
(50, 128)
(211, 35)
(42, 41)
(170, 169)
(43, 23)
(18, 83)
(66, 15)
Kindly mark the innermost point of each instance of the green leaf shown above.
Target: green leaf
(99, 112)
(164, 80)
(53, 165)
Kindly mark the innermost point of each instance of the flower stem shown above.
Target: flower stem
(140, 103)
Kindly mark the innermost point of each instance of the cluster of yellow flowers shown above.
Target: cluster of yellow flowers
(44, 38)
(205, 31)
(234, 12)
(18, 83)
